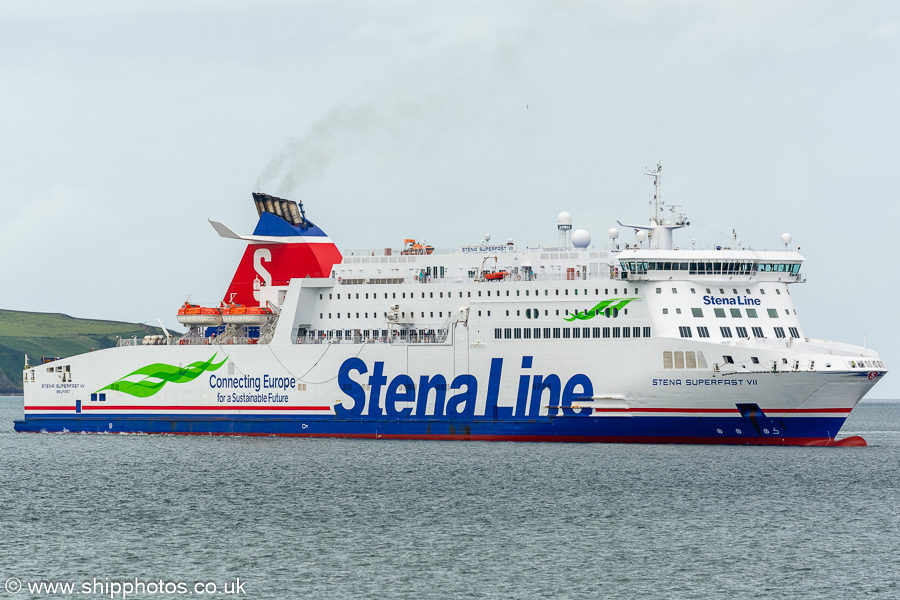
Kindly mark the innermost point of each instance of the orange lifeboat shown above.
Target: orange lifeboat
(411, 246)
(496, 276)
(236, 314)
(194, 315)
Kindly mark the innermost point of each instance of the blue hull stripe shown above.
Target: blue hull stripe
(728, 429)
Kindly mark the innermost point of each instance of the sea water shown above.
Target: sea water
(320, 518)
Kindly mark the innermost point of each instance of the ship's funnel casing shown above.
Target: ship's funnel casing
(296, 251)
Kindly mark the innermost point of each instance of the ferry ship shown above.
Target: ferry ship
(642, 343)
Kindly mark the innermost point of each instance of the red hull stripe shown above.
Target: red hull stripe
(853, 441)
(767, 411)
(142, 407)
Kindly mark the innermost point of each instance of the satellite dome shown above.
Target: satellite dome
(785, 238)
(641, 236)
(581, 238)
(613, 233)
(564, 218)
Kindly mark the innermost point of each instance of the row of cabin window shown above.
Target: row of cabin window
(469, 294)
(703, 332)
(687, 360)
(762, 291)
(519, 333)
(349, 334)
(735, 312)
(375, 315)
(531, 313)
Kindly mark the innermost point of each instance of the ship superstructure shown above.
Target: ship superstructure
(490, 341)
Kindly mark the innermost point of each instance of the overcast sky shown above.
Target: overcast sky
(125, 125)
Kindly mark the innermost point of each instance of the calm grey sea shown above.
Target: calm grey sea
(296, 518)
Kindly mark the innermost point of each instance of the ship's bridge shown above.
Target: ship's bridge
(743, 265)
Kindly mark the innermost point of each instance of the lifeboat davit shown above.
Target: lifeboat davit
(194, 315)
(236, 314)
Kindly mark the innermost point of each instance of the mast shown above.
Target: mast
(657, 196)
(661, 228)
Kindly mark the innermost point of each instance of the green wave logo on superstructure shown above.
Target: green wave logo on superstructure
(614, 305)
(153, 377)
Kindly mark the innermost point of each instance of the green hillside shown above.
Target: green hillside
(53, 334)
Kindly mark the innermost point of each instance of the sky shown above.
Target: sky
(124, 126)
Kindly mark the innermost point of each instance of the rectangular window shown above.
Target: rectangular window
(636, 331)
(537, 333)
(667, 359)
(679, 360)
(742, 332)
(626, 332)
(690, 360)
(576, 332)
(617, 332)
(527, 333)
(507, 333)
(606, 332)
(556, 333)
(779, 332)
(751, 313)
(646, 332)
(757, 332)
(728, 360)
(703, 332)
(736, 313)
(794, 332)
(586, 332)
(547, 333)
(517, 333)
(726, 332)
(773, 313)
(720, 313)
(567, 333)
(698, 312)
(596, 332)
(685, 332)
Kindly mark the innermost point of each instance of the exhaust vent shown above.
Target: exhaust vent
(290, 211)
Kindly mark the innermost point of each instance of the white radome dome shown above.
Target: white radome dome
(613, 233)
(641, 236)
(581, 238)
(564, 218)
(785, 238)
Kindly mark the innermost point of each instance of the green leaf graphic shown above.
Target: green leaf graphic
(598, 310)
(155, 376)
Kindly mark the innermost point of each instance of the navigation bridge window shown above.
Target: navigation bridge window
(713, 267)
